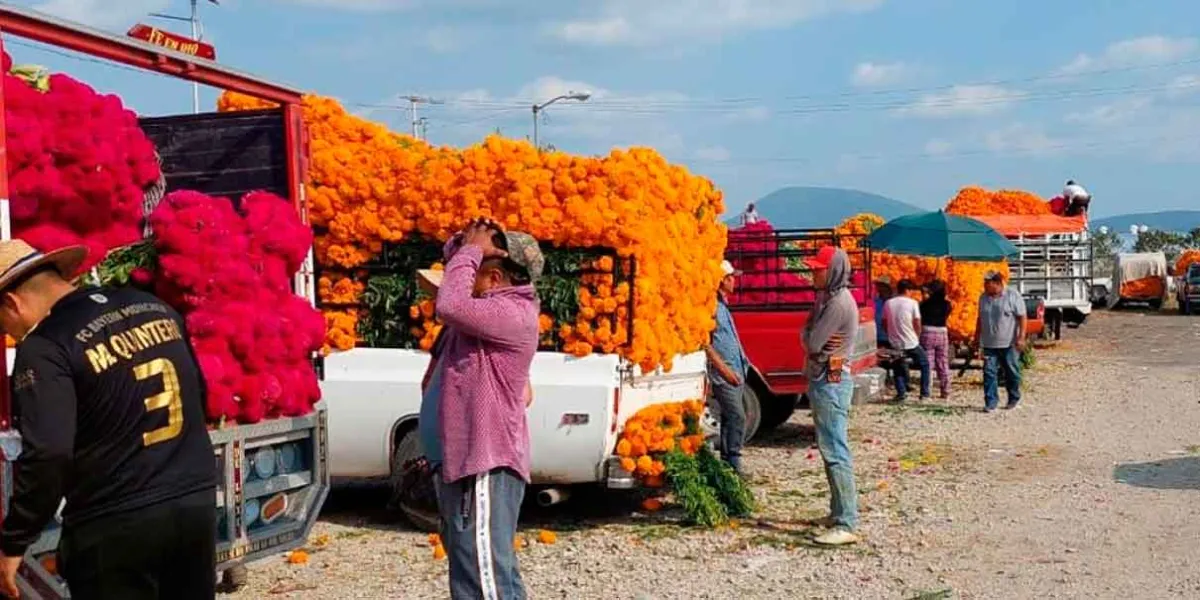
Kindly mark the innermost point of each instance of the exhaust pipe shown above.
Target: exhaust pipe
(552, 496)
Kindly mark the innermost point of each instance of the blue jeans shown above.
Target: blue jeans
(731, 412)
(996, 360)
(479, 524)
(830, 404)
(900, 372)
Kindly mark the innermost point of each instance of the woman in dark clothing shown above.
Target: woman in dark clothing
(935, 338)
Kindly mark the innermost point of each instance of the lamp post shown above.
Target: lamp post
(538, 108)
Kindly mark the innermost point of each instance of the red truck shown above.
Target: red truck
(771, 306)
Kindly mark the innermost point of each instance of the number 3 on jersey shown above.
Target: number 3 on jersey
(169, 399)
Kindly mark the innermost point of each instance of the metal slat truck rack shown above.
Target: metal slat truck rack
(1054, 265)
(274, 475)
(1056, 268)
(772, 304)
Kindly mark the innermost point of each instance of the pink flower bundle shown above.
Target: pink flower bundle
(78, 165)
(228, 272)
(766, 276)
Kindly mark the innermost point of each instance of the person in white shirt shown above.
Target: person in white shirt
(902, 319)
(1077, 198)
(750, 215)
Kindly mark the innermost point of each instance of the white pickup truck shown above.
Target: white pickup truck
(580, 404)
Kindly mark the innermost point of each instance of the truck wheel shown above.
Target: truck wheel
(753, 411)
(233, 579)
(776, 410)
(413, 491)
(1156, 305)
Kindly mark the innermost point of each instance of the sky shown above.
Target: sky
(911, 99)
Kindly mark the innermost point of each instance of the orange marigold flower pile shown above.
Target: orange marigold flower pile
(1186, 259)
(656, 430)
(977, 201)
(964, 280)
(370, 186)
(1143, 289)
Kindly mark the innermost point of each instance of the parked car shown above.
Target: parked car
(1188, 290)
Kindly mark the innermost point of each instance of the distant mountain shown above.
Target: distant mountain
(1174, 220)
(812, 207)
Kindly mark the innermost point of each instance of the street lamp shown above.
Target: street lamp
(538, 108)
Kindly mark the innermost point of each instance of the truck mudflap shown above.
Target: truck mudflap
(274, 479)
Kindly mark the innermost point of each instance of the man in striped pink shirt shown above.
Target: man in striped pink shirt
(490, 310)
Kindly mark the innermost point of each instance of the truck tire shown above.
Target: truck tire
(1156, 304)
(776, 409)
(753, 408)
(233, 579)
(413, 492)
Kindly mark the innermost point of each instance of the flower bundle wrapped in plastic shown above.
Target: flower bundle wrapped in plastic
(1186, 259)
(78, 164)
(370, 187)
(228, 273)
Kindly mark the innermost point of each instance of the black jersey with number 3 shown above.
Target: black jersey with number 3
(109, 401)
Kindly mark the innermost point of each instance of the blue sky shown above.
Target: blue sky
(911, 99)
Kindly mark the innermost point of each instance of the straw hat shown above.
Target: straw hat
(18, 258)
(430, 280)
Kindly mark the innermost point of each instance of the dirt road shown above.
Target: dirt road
(1090, 490)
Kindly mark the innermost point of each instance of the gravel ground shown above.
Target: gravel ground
(1089, 490)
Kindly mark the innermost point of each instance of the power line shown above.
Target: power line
(727, 103)
(1030, 150)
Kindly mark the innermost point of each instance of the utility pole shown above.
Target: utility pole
(413, 101)
(423, 128)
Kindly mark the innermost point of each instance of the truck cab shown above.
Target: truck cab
(1188, 290)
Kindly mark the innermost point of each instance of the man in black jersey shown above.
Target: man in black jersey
(109, 401)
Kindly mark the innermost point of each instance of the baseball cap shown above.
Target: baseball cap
(728, 269)
(822, 259)
(993, 276)
(523, 249)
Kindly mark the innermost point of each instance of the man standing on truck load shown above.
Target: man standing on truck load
(109, 401)
(902, 319)
(1000, 336)
(490, 309)
(727, 369)
(828, 336)
(1077, 199)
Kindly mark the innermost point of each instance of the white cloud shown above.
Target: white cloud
(1145, 50)
(713, 153)
(1022, 139)
(1183, 85)
(962, 101)
(938, 147)
(869, 74)
(1143, 106)
(636, 23)
(1111, 114)
(104, 14)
